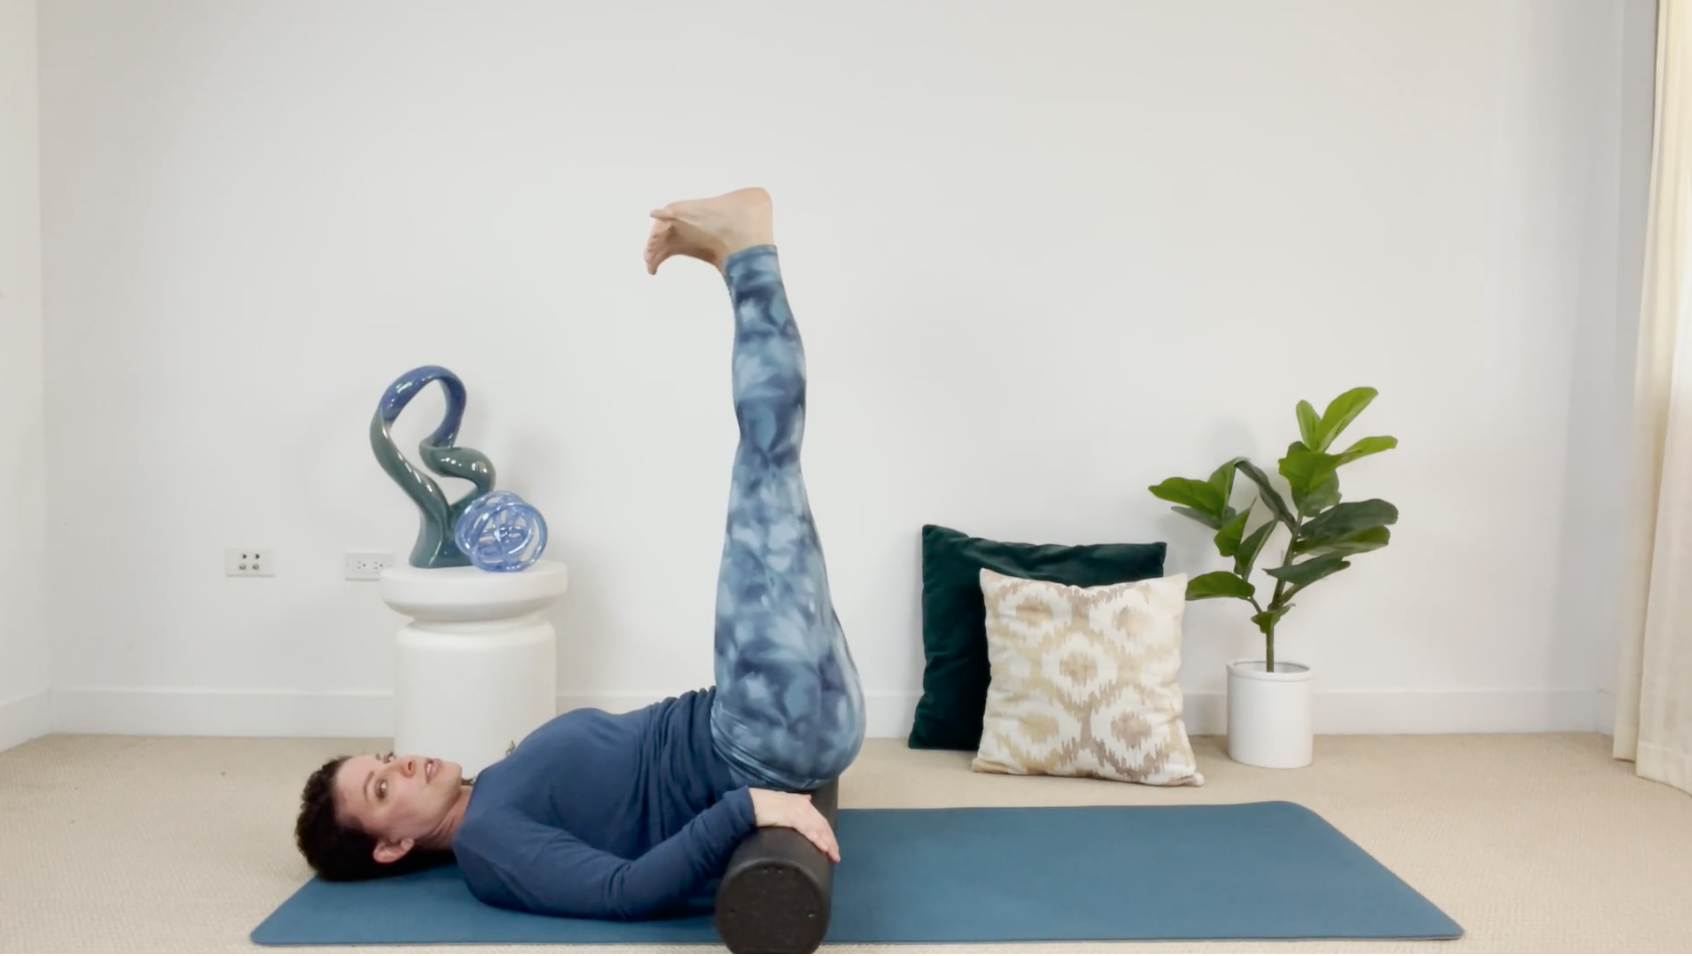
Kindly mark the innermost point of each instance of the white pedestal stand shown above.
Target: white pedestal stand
(476, 668)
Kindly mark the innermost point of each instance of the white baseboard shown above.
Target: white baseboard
(25, 719)
(1606, 712)
(200, 713)
(95, 710)
(1423, 712)
(1337, 712)
(235, 713)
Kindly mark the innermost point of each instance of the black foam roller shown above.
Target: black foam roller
(774, 896)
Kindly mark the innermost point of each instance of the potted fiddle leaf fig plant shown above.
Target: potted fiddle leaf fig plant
(1269, 700)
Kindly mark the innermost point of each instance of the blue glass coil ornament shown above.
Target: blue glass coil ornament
(501, 532)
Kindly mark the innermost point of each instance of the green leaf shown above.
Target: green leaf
(1341, 412)
(1343, 519)
(1250, 547)
(1228, 536)
(1267, 619)
(1306, 470)
(1319, 500)
(1309, 572)
(1219, 584)
(1309, 425)
(1357, 542)
(1199, 516)
(1222, 479)
(1271, 497)
(1367, 446)
(1201, 496)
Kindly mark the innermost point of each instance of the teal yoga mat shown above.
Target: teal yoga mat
(976, 875)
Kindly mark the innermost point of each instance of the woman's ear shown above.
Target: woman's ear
(390, 851)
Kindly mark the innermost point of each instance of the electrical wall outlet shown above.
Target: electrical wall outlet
(365, 565)
(249, 562)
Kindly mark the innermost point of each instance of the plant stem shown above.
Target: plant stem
(1275, 602)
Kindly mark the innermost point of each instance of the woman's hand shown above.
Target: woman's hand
(773, 808)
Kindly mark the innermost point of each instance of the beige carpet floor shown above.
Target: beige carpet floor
(1536, 843)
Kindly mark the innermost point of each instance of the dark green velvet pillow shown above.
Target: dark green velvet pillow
(954, 617)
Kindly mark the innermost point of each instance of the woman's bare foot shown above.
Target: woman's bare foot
(710, 230)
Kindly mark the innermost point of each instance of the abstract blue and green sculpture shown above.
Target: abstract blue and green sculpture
(492, 530)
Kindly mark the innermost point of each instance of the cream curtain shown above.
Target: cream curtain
(1654, 685)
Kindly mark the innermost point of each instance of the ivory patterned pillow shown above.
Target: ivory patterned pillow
(1084, 681)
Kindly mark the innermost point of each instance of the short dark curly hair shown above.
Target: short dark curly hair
(341, 852)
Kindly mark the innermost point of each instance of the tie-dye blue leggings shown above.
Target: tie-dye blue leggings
(789, 714)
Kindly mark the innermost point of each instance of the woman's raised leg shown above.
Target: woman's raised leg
(789, 712)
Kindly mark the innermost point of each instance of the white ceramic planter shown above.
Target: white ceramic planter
(1269, 714)
(475, 669)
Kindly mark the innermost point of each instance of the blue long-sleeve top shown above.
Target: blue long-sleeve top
(606, 816)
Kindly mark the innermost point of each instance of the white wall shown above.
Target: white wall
(24, 658)
(1043, 256)
(1591, 584)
